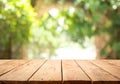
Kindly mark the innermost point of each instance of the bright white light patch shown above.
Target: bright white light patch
(71, 10)
(59, 29)
(61, 21)
(76, 53)
(54, 12)
(114, 7)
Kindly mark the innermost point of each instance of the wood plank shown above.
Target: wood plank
(49, 73)
(114, 70)
(52, 72)
(114, 62)
(21, 74)
(72, 73)
(7, 66)
(96, 74)
(3, 61)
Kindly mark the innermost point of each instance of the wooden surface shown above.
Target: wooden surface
(59, 71)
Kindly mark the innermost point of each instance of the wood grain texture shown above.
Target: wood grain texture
(7, 66)
(23, 73)
(59, 72)
(3, 61)
(114, 62)
(96, 74)
(49, 73)
(112, 69)
(72, 73)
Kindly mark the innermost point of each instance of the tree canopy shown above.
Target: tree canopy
(83, 18)
(86, 18)
(16, 18)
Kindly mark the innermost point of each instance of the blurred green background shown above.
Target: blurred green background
(44, 29)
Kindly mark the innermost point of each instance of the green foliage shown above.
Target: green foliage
(85, 18)
(46, 37)
(16, 18)
(90, 18)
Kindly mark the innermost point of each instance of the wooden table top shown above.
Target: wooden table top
(59, 71)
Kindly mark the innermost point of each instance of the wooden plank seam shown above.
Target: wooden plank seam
(84, 72)
(37, 70)
(105, 70)
(13, 68)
